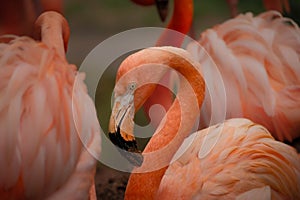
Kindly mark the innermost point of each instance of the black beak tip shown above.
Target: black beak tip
(131, 153)
(162, 7)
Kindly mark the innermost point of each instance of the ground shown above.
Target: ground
(110, 184)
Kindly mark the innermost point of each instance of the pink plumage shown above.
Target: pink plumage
(258, 58)
(47, 122)
(236, 159)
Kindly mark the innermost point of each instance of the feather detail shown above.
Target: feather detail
(245, 159)
(258, 58)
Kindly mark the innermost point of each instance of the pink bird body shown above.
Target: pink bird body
(48, 124)
(258, 58)
(236, 159)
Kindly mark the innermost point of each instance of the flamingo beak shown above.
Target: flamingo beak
(162, 7)
(121, 128)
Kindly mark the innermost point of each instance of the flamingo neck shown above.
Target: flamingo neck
(53, 30)
(181, 21)
(175, 126)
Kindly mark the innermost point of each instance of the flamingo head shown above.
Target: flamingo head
(121, 121)
(137, 77)
(129, 95)
(121, 125)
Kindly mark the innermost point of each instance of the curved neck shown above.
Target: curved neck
(53, 30)
(181, 21)
(177, 124)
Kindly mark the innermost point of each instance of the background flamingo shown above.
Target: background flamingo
(203, 170)
(43, 111)
(258, 58)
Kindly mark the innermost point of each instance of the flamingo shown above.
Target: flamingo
(270, 43)
(258, 58)
(245, 161)
(17, 17)
(49, 128)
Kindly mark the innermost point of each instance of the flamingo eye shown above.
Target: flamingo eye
(132, 86)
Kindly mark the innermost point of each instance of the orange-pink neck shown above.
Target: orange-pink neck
(53, 30)
(176, 126)
(181, 21)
